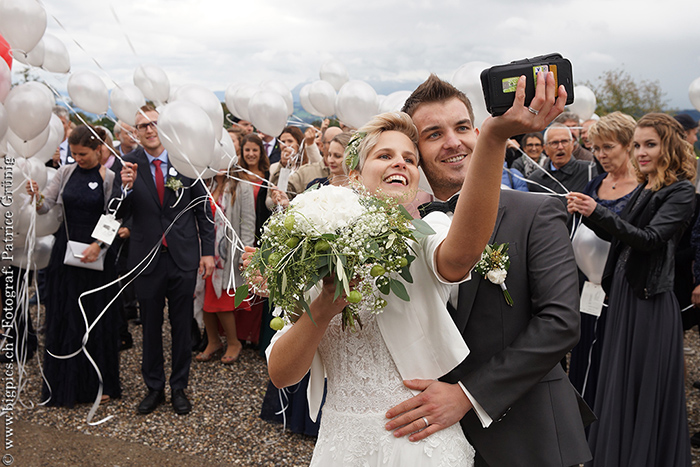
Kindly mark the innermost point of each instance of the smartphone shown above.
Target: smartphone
(499, 82)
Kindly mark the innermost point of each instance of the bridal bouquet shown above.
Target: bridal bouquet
(359, 240)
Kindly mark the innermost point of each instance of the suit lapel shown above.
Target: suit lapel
(467, 290)
(145, 174)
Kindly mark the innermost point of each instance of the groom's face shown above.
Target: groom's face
(446, 140)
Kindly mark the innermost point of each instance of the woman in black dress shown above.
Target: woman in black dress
(82, 190)
(640, 401)
(611, 138)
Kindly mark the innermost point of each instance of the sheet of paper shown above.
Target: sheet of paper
(592, 298)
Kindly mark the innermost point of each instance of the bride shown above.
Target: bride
(365, 369)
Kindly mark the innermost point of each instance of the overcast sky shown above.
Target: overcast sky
(218, 42)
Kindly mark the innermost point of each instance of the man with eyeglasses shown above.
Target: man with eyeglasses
(171, 271)
(563, 173)
(573, 121)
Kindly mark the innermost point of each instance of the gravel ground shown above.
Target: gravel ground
(223, 428)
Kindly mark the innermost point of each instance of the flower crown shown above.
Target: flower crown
(352, 151)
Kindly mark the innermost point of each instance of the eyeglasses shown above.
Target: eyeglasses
(144, 126)
(533, 145)
(606, 148)
(555, 144)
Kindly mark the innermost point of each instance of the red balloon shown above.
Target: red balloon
(5, 52)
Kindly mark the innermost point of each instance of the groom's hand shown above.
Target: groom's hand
(441, 404)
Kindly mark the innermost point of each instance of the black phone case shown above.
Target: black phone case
(499, 82)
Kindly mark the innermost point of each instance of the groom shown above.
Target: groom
(513, 399)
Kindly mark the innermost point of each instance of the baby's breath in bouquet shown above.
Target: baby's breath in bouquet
(360, 240)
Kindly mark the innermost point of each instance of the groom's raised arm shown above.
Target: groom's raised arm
(503, 379)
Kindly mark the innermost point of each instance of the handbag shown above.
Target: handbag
(74, 251)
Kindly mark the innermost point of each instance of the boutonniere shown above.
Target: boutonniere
(494, 266)
(174, 184)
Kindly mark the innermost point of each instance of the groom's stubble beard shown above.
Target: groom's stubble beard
(445, 183)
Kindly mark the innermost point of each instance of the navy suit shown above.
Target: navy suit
(172, 273)
(276, 152)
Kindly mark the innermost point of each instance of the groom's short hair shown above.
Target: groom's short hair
(435, 90)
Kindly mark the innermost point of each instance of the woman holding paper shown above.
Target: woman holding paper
(75, 323)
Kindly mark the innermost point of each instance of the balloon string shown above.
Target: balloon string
(83, 49)
(121, 26)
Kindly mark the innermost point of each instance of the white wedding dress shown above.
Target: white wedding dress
(363, 383)
(365, 372)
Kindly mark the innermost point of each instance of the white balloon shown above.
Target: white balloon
(153, 82)
(281, 89)
(28, 111)
(48, 223)
(55, 138)
(56, 57)
(34, 57)
(591, 253)
(584, 102)
(693, 93)
(3, 121)
(5, 80)
(44, 89)
(26, 169)
(40, 256)
(207, 101)
(357, 101)
(241, 98)
(229, 98)
(268, 112)
(88, 92)
(186, 132)
(306, 102)
(126, 100)
(467, 79)
(322, 96)
(30, 147)
(228, 157)
(335, 73)
(394, 102)
(22, 23)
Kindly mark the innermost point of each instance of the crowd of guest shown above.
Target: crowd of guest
(632, 182)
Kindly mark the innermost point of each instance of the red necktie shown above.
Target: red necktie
(160, 187)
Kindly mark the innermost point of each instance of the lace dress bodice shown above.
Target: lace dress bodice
(363, 383)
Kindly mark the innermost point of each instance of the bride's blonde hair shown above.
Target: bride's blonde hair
(366, 138)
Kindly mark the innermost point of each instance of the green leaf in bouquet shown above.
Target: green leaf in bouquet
(241, 294)
(306, 308)
(405, 214)
(423, 229)
(406, 274)
(322, 261)
(399, 290)
(284, 281)
(383, 285)
(338, 288)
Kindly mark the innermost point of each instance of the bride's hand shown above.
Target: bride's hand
(330, 307)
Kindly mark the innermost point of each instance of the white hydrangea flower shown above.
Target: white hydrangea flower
(326, 210)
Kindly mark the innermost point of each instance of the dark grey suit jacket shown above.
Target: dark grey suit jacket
(192, 235)
(513, 369)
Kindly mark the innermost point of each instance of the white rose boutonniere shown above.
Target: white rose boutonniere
(494, 266)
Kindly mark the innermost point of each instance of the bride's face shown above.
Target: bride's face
(391, 167)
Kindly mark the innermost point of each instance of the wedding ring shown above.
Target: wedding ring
(426, 422)
(533, 111)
